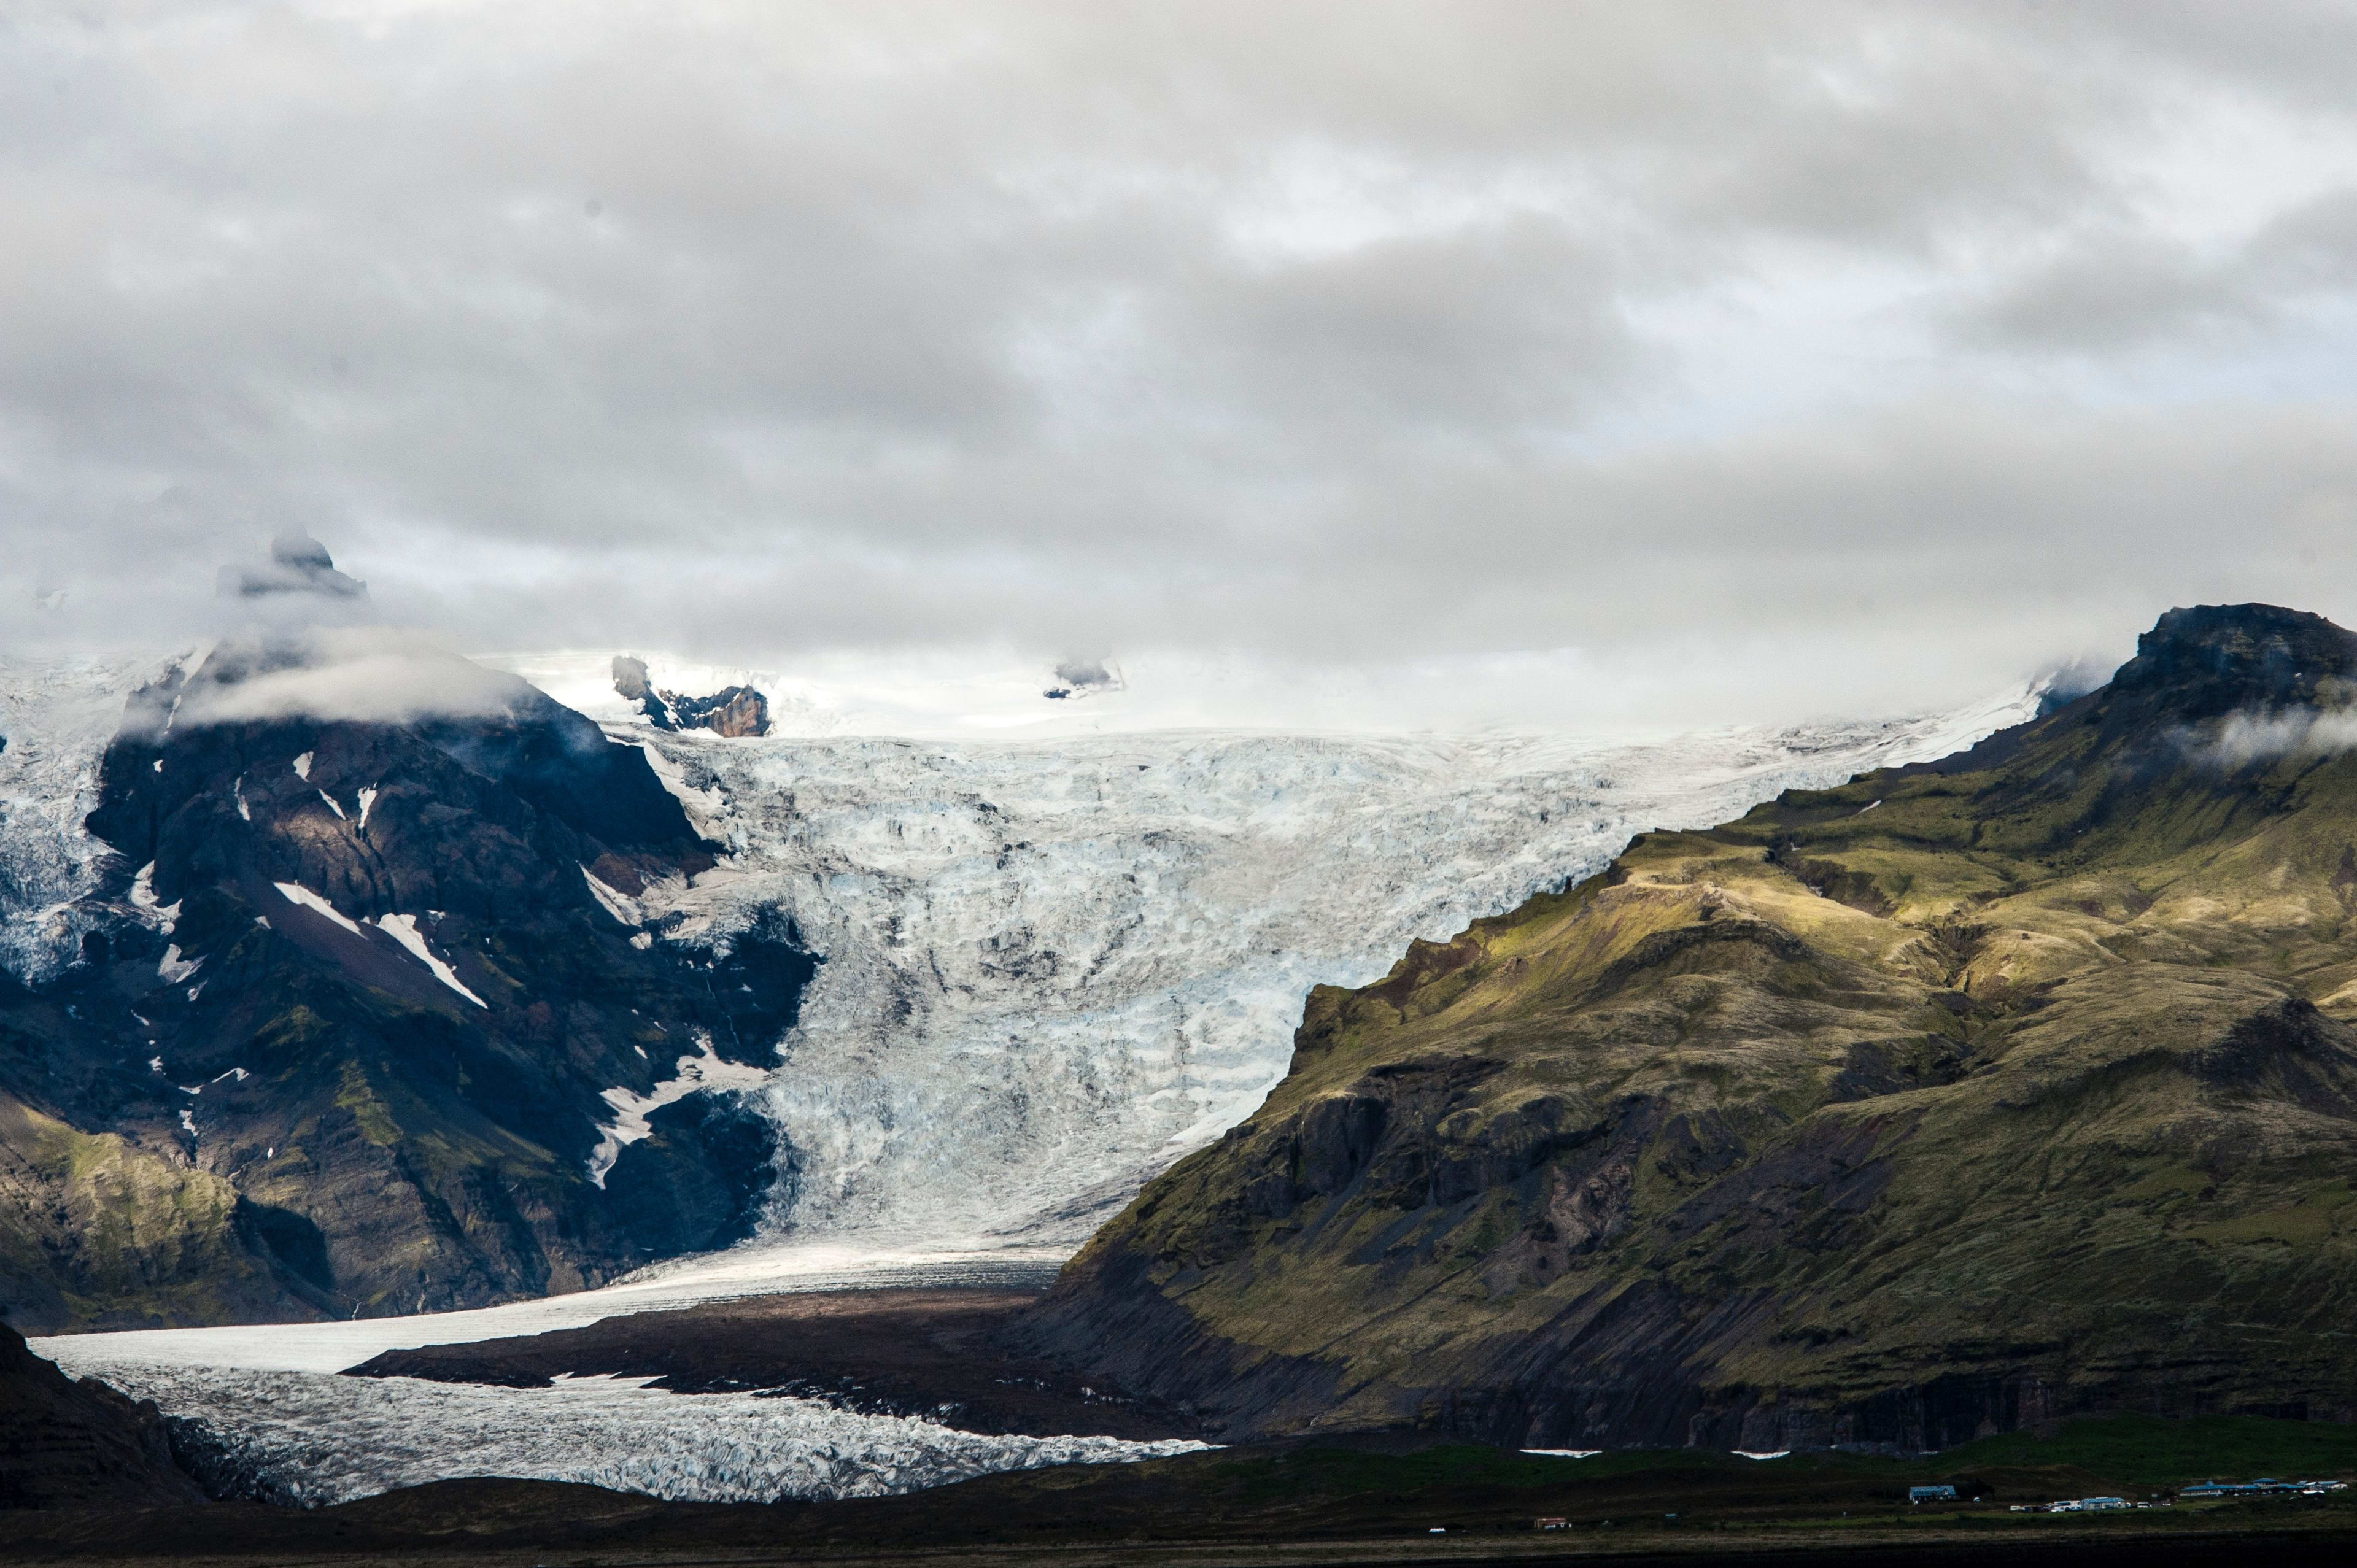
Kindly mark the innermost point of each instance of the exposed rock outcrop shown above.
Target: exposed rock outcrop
(733, 710)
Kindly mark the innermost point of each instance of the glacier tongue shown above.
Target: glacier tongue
(306, 1440)
(1053, 968)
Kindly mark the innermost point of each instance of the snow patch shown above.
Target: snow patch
(331, 803)
(297, 893)
(143, 899)
(704, 1070)
(172, 968)
(368, 804)
(402, 929)
(303, 767)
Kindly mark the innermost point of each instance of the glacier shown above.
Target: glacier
(1053, 967)
(307, 1440)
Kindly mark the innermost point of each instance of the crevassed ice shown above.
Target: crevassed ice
(307, 1439)
(1052, 968)
(58, 715)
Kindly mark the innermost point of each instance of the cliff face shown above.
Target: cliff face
(1942, 1103)
(358, 1016)
(67, 1445)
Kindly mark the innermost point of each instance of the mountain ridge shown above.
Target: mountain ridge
(1953, 1099)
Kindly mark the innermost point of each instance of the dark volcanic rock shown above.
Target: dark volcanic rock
(68, 1444)
(933, 1353)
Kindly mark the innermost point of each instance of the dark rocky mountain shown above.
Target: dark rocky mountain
(68, 1444)
(344, 1040)
(1951, 1100)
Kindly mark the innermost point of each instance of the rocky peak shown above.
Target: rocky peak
(733, 710)
(2208, 660)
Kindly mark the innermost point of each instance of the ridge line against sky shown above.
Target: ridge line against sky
(1745, 362)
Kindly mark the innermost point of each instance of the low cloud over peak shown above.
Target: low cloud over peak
(363, 674)
(301, 578)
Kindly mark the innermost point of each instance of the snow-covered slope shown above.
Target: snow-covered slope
(1053, 967)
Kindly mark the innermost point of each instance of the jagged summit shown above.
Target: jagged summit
(2213, 690)
(732, 712)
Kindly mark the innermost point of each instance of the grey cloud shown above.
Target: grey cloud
(2240, 739)
(2124, 287)
(1435, 329)
(369, 674)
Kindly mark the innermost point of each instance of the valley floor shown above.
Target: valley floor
(1011, 1520)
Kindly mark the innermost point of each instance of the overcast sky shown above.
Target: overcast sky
(1774, 358)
